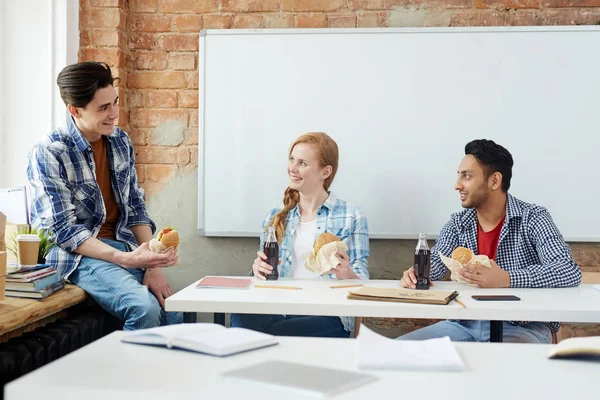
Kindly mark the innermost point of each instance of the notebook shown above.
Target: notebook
(577, 348)
(305, 379)
(222, 282)
(403, 295)
(204, 338)
(379, 352)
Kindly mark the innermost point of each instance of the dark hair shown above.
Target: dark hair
(78, 82)
(493, 157)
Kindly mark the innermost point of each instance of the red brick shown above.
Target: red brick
(156, 80)
(247, 21)
(120, 73)
(84, 38)
(142, 41)
(369, 4)
(279, 20)
(192, 80)
(136, 99)
(522, 3)
(149, 23)
(443, 3)
(250, 5)
(570, 3)
(480, 18)
(311, 20)
(183, 155)
(155, 60)
(138, 136)
(187, 23)
(143, 5)
(104, 37)
(187, 6)
(155, 155)
(194, 155)
(107, 3)
(140, 170)
(312, 5)
(376, 19)
(341, 21)
(110, 56)
(558, 17)
(217, 22)
(193, 119)
(397, 3)
(161, 99)
(150, 118)
(182, 61)
(191, 136)
(178, 42)
(524, 18)
(123, 119)
(103, 18)
(188, 98)
(161, 172)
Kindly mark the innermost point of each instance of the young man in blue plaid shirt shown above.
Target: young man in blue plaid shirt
(85, 192)
(525, 247)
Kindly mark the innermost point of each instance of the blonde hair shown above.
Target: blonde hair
(327, 154)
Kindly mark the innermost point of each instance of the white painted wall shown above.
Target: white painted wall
(37, 39)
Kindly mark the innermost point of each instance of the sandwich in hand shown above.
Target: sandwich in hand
(166, 239)
(323, 258)
(462, 256)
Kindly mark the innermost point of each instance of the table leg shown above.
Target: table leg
(219, 318)
(495, 331)
(189, 317)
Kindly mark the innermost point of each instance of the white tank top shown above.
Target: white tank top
(303, 240)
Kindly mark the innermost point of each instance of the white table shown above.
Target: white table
(109, 369)
(578, 304)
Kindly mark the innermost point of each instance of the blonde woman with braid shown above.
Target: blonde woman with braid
(309, 210)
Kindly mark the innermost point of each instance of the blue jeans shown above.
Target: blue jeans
(291, 325)
(120, 291)
(479, 331)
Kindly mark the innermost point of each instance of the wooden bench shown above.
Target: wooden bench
(19, 315)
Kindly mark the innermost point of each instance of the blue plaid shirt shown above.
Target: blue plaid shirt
(335, 216)
(531, 248)
(66, 199)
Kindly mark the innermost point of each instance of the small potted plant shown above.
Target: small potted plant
(45, 243)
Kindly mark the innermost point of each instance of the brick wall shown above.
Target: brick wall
(152, 45)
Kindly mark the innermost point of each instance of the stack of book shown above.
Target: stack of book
(37, 283)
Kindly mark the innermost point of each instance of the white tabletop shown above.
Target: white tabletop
(109, 369)
(579, 304)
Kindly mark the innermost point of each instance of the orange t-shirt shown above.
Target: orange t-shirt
(107, 231)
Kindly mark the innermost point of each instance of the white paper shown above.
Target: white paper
(13, 203)
(379, 352)
(164, 334)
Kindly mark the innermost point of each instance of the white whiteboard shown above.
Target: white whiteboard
(401, 104)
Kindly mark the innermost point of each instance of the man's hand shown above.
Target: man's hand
(155, 280)
(484, 277)
(409, 279)
(342, 270)
(142, 257)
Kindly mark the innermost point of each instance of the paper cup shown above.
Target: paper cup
(28, 247)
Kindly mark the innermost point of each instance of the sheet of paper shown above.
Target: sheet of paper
(13, 203)
(379, 352)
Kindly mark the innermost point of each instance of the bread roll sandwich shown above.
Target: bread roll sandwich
(166, 239)
(462, 255)
(322, 240)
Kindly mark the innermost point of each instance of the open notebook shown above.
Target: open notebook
(577, 347)
(379, 352)
(205, 338)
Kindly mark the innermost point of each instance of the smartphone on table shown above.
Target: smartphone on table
(495, 297)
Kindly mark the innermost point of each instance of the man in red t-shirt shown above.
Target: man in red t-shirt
(525, 247)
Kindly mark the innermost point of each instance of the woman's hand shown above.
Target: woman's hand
(342, 270)
(260, 268)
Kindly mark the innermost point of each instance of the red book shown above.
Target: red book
(222, 282)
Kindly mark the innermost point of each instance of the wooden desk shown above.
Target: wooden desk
(577, 304)
(109, 369)
(18, 313)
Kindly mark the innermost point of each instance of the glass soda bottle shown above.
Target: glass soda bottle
(422, 262)
(271, 250)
